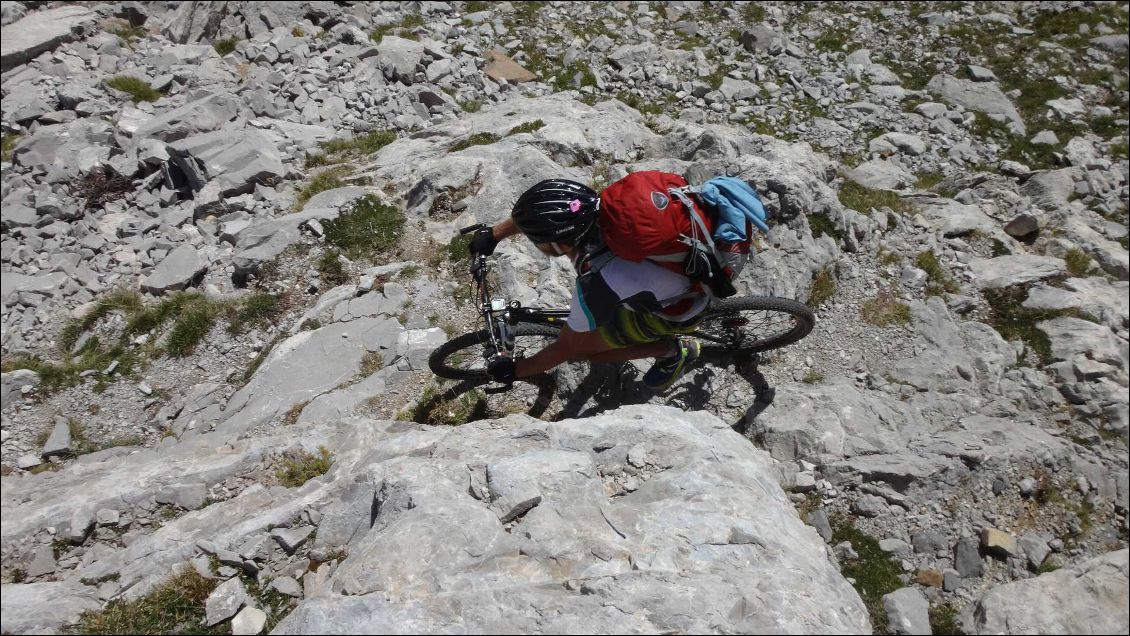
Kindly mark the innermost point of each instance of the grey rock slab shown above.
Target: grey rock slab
(819, 519)
(869, 506)
(288, 586)
(43, 562)
(290, 539)
(954, 218)
(235, 158)
(1116, 42)
(1035, 548)
(59, 442)
(398, 58)
(41, 31)
(264, 240)
(189, 496)
(1081, 598)
(908, 611)
(306, 365)
(880, 174)
(898, 142)
(1015, 269)
(42, 284)
(404, 569)
(225, 601)
(1071, 337)
(250, 620)
(981, 74)
(203, 114)
(176, 271)
(1109, 301)
(1022, 225)
(415, 345)
(81, 523)
(13, 384)
(967, 558)
(985, 97)
(44, 608)
(834, 418)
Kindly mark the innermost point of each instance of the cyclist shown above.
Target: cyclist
(620, 310)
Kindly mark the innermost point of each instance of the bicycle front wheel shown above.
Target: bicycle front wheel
(461, 358)
(752, 324)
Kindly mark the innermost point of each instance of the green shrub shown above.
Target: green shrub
(367, 229)
(1078, 262)
(885, 309)
(477, 139)
(303, 466)
(471, 106)
(823, 287)
(223, 47)
(138, 89)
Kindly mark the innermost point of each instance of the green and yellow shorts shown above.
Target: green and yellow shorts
(627, 328)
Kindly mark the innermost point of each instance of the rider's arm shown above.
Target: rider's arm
(503, 229)
(570, 345)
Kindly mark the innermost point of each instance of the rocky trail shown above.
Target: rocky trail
(229, 244)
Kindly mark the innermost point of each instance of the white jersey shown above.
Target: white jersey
(643, 287)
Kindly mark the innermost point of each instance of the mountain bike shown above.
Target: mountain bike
(736, 325)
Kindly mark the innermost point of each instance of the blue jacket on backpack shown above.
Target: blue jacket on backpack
(735, 202)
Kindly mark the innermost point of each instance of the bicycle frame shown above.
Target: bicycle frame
(499, 314)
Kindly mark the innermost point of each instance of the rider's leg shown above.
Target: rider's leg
(660, 349)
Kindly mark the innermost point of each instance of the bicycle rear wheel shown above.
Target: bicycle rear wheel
(461, 358)
(752, 324)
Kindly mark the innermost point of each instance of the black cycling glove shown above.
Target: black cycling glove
(501, 369)
(483, 241)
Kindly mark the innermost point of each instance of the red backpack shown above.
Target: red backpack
(653, 215)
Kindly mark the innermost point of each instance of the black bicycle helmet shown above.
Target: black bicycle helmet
(556, 211)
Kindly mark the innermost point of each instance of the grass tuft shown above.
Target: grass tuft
(885, 309)
(821, 224)
(938, 279)
(174, 607)
(302, 466)
(223, 47)
(477, 139)
(875, 573)
(459, 249)
(8, 146)
(325, 180)
(862, 199)
(366, 229)
(1078, 262)
(527, 127)
(331, 270)
(823, 288)
(1015, 322)
(138, 89)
